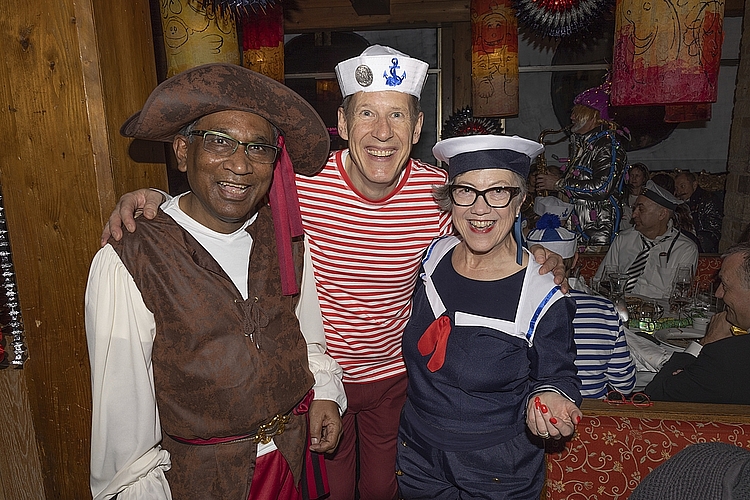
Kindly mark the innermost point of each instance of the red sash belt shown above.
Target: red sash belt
(314, 477)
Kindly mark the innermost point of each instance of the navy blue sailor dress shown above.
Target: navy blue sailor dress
(475, 351)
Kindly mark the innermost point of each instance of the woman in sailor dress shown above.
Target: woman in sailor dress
(489, 348)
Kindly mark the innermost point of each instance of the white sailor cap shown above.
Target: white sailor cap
(479, 152)
(381, 68)
(550, 235)
(552, 205)
(659, 195)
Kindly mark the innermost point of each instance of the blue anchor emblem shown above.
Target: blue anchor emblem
(394, 80)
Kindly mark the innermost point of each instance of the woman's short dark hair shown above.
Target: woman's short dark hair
(663, 179)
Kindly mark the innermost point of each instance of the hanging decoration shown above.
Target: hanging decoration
(237, 8)
(680, 113)
(11, 324)
(195, 35)
(464, 122)
(668, 55)
(263, 42)
(560, 18)
(494, 58)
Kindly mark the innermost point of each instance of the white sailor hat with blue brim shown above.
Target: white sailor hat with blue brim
(480, 152)
(381, 68)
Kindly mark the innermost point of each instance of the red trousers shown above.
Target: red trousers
(371, 425)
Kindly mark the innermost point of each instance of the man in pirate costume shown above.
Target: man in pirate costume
(594, 177)
(651, 251)
(201, 375)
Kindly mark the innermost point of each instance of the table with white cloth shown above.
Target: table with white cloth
(649, 350)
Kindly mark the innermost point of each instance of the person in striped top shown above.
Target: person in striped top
(368, 216)
(602, 353)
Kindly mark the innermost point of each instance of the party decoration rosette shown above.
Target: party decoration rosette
(464, 122)
(560, 18)
(238, 8)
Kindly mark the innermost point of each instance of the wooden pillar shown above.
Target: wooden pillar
(736, 204)
(72, 71)
(460, 37)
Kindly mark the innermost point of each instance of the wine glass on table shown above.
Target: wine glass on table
(682, 287)
(604, 286)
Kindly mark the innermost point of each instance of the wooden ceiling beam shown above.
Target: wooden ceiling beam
(339, 15)
(372, 7)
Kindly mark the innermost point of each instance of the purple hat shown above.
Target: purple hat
(596, 98)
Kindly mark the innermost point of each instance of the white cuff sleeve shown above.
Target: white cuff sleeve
(694, 348)
(327, 372)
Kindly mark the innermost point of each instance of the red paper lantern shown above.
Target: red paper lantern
(668, 54)
(263, 42)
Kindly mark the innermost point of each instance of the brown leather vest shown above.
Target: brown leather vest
(222, 365)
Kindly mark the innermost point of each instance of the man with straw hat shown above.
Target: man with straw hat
(201, 375)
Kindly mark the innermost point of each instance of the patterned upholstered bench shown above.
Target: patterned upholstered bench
(615, 447)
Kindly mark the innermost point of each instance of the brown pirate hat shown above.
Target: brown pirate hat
(209, 88)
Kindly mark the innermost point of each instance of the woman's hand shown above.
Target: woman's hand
(550, 415)
(127, 207)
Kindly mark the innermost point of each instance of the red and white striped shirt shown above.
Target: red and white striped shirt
(366, 255)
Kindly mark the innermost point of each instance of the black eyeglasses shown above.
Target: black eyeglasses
(497, 197)
(225, 145)
(640, 399)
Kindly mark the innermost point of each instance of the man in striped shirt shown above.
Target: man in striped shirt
(602, 354)
(368, 216)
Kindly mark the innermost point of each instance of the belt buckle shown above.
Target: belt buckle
(276, 426)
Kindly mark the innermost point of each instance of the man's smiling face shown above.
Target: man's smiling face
(225, 190)
(381, 129)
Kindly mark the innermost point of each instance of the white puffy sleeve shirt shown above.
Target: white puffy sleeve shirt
(126, 457)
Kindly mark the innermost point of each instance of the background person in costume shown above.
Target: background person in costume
(651, 251)
(602, 354)
(594, 178)
(198, 362)
(489, 348)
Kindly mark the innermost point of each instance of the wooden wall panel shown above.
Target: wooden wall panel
(20, 471)
(72, 72)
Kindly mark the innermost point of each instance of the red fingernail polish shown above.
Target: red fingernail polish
(552, 420)
(537, 400)
(578, 420)
(544, 408)
(537, 405)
